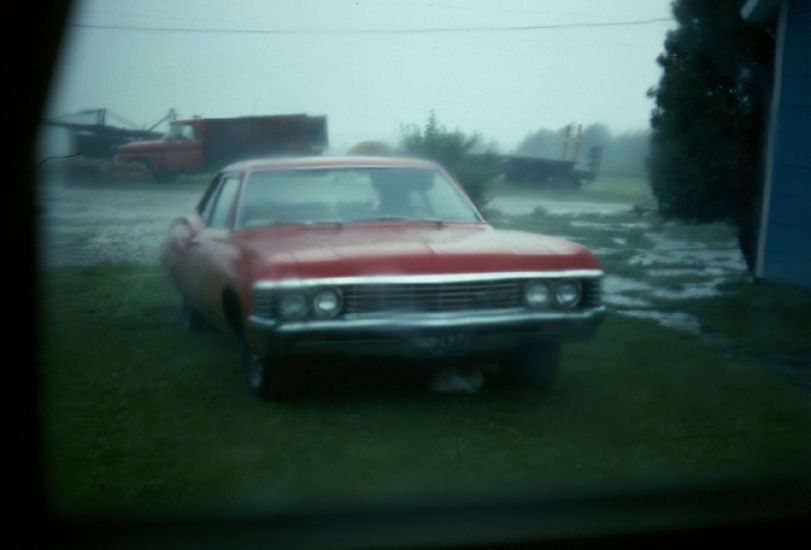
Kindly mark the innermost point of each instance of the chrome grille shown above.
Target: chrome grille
(264, 304)
(427, 297)
(592, 293)
(433, 297)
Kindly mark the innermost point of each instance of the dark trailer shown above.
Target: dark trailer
(542, 172)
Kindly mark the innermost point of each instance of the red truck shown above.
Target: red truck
(208, 144)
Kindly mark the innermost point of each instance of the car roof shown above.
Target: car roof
(276, 163)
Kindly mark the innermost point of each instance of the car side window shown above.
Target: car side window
(223, 205)
(207, 204)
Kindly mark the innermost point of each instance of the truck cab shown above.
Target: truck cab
(180, 151)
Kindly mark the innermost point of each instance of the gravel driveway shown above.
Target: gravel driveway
(85, 224)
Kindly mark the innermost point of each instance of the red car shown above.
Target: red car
(374, 257)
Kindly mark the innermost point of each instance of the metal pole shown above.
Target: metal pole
(566, 141)
(577, 142)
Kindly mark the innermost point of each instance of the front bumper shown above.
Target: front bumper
(424, 335)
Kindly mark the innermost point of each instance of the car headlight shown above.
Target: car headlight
(293, 305)
(326, 303)
(537, 294)
(567, 294)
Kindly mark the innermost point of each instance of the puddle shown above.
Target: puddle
(615, 289)
(678, 320)
(687, 271)
(704, 267)
(622, 301)
(614, 284)
(452, 380)
(624, 292)
(683, 253)
(634, 225)
(695, 290)
(602, 226)
(604, 251)
(693, 259)
(520, 206)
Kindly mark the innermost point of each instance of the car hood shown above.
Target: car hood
(405, 249)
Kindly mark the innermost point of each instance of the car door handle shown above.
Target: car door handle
(194, 243)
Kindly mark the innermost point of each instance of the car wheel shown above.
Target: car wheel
(192, 319)
(536, 366)
(265, 378)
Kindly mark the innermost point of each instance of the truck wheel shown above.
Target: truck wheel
(267, 379)
(142, 169)
(536, 367)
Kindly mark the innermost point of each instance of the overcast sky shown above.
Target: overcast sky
(502, 68)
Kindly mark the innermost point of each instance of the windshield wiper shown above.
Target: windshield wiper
(438, 221)
(269, 223)
(336, 223)
(387, 219)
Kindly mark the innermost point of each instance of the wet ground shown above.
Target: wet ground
(650, 265)
(125, 223)
(518, 206)
(83, 224)
(673, 269)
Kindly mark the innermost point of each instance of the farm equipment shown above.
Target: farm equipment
(91, 136)
(545, 172)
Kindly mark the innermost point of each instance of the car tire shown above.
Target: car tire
(192, 319)
(266, 378)
(537, 366)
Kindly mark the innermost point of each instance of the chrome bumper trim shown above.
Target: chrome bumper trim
(421, 279)
(411, 321)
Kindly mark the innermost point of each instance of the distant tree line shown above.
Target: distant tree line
(625, 153)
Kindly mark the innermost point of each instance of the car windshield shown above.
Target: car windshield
(345, 195)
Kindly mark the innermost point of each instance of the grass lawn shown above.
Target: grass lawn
(140, 415)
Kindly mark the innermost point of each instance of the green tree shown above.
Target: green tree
(709, 119)
(543, 143)
(455, 152)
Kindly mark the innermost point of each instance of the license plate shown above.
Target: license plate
(453, 343)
